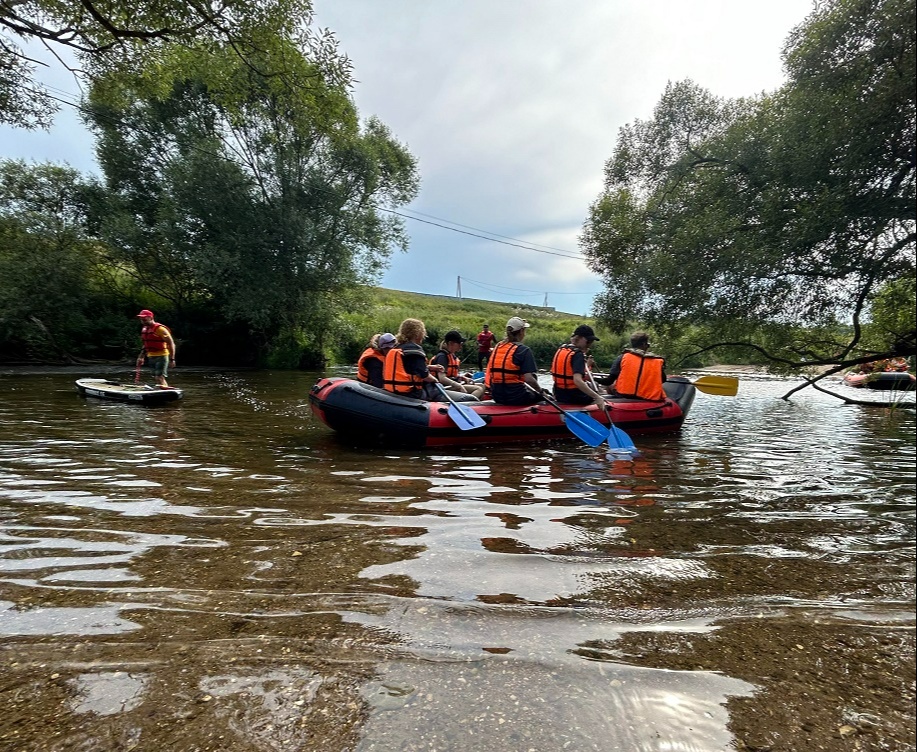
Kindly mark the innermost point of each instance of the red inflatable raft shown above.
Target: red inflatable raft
(369, 415)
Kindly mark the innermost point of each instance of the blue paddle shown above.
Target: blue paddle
(462, 415)
(617, 439)
(585, 427)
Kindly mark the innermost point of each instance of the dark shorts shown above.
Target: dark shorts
(515, 394)
(159, 364)
(572, 397)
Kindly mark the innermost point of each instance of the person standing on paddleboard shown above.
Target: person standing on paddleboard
(158, 347)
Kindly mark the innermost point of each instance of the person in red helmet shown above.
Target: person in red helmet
(158, 347)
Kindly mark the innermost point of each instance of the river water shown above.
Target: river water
(221, 573)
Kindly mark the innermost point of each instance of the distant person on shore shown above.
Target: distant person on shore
(405, 370)
(448, 358)
(486, 340)
(369, 366)
(512, 366)
(158, 348)
(570, 372)
(637, 372)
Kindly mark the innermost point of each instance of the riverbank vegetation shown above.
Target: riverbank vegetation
(243, 199)
(781, 225)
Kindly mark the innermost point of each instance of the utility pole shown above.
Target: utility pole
(458, 288)
(545, 304)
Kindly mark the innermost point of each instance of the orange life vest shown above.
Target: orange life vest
(500, 367)
(155, 343)
(641, 376)
(562, 367)
(452, 364)
(368, 354)
(394, 377)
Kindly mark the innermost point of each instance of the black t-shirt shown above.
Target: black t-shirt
(517, 394)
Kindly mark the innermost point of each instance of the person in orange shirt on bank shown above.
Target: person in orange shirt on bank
(486, 340)
(158, 348)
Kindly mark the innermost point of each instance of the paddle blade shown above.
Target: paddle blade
(725, 386)
(586, 429)
(617, 439)
(464, 417)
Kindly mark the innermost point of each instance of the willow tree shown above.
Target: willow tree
(262, 197)
(90, 37)
(771, 223)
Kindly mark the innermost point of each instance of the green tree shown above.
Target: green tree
(52, 301)
(771, 222)
(120, 35)
(261, 197)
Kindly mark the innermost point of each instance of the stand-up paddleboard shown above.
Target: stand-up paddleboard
(116, 390)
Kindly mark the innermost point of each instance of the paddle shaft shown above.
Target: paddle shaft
(616, 437)
(469, 416)
(584, 427)
(724, 386)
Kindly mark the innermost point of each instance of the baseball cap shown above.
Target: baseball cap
(515, 324)
(583, 330)
(387, 339)
(454, 336)
(145, 312)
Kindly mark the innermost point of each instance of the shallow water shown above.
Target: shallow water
(221, 573)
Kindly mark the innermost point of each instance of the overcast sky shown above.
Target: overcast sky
(511, 108)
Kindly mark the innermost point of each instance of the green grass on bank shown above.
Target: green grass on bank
(440, 313)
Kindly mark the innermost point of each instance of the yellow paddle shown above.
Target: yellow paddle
(725, 386)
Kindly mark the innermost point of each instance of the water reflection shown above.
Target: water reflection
(223, 565)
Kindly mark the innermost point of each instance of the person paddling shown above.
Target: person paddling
(158, 347)
(405, 370)
(570, 370)
(448, 358)
(637, 372)
(511, 367)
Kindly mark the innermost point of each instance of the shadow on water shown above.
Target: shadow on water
(222, 573)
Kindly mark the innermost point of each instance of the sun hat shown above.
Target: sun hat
(145, 312)
(584, 330)
(387, 339)
(515, 324)
(454, 336)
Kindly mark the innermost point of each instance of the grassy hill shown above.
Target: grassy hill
(440, 313)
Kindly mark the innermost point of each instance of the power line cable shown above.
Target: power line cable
(492, 237)
(517, 289)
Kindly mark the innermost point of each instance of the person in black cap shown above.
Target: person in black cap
(572, 383)
(448, 358)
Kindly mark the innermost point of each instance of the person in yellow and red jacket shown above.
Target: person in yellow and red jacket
(369, 366)
(571, 380)
(158, 347)
(511, 367)
(405, 370)
(637, 372)
(448, 358)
